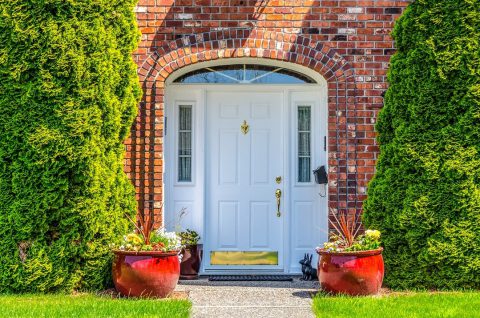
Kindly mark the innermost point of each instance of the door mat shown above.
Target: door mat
(250, 278)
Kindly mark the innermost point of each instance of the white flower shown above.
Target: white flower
(173, 239)
(174, 242)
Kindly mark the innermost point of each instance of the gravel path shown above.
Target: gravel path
(250, 299)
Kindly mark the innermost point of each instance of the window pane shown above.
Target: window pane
(303, 169)
(282, 76)
(204, 76)
(185, 117)
(304, 115)
(244, 73)
(185, 143)
(304, 118)
(304, 144)
(185, 169)
(230, 72)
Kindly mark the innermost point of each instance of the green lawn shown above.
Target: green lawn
(87, 305)
(454, 304)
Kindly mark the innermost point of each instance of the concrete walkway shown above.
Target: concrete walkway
(250, 299)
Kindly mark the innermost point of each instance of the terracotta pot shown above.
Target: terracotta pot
(191, 261)
(146, 273)
(351, 273)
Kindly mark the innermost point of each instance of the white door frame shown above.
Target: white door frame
(195, 94)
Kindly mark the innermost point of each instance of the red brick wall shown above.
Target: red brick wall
(347, 41)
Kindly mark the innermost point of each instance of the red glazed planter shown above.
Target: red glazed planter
(146, 273)
(351, 273)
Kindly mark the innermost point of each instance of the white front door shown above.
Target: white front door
(244, 158)
(228, 194)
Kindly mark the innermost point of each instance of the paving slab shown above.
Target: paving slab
(250, 299)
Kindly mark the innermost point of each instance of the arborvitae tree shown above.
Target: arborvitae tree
(425, 196)
(68, 95)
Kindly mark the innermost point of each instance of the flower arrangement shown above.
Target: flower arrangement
(159, 240)
(146, 238)
(347, 237)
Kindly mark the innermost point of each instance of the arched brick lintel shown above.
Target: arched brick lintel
(146, 166)
(209, 46)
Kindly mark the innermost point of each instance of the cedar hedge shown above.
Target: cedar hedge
(425, 196)
(68, 97)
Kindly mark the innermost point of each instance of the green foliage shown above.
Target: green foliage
(366, 242)
(370, 240)
(425, 196)
(189, 237)
(68, 95)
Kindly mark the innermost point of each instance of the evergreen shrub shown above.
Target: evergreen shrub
(425, 196)
(68, 96)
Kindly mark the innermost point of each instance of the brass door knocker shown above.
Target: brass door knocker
(244, 127)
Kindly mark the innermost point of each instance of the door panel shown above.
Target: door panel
(259, 224)
(228, 221)
(302, 222)
(259, 157)
(228, 157)
(241, 170)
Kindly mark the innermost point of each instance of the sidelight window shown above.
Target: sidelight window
(185, 143)
(304, 115)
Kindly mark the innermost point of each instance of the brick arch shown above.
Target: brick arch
(145, 164)
(215, 45)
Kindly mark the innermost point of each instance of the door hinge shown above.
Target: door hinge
(165, 126)
(324, 143)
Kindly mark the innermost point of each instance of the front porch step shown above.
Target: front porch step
(250, 299)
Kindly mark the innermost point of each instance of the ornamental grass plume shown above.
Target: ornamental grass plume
(147, 238)
(347, 235)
